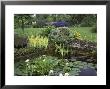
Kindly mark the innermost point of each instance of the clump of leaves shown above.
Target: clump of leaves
(44, 64)
(50, 66)
(39, 66)
(59, 35)
(94, 29)
(61, 49)
(38, 41)
(46, 31)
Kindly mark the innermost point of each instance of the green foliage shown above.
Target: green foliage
(44, 39)
(38, 41)
(20, 41)
(59, 35)
(94, 29)
(44, 65)
(46, 31)
(77, 35)
(21, 20)
(41, 20)
(50, 66)
(89, 21)
(20, 68)
(85, 33)
(40, 24)
(34, 25)
(61, 49)
(27, 51)
(29, 31)
(38, 66)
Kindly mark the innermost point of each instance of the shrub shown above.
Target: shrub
(34, 25)
(94, 29)
(20, 41)
(40, 24)
(59, 35)
(47, 30)
(88, 21)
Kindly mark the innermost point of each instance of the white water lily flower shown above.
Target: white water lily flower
(67, 63)
(27, 60)
(60, 74)
(44, 60)
(66, 74)
(66, 59)
(51, 71)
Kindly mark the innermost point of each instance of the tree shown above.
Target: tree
(21, 20)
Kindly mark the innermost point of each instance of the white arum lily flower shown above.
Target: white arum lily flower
(51, 71)
(60, 74)
(27, 60)
(66, 74)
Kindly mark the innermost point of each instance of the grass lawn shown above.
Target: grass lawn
(29, 31)
(85, 32)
